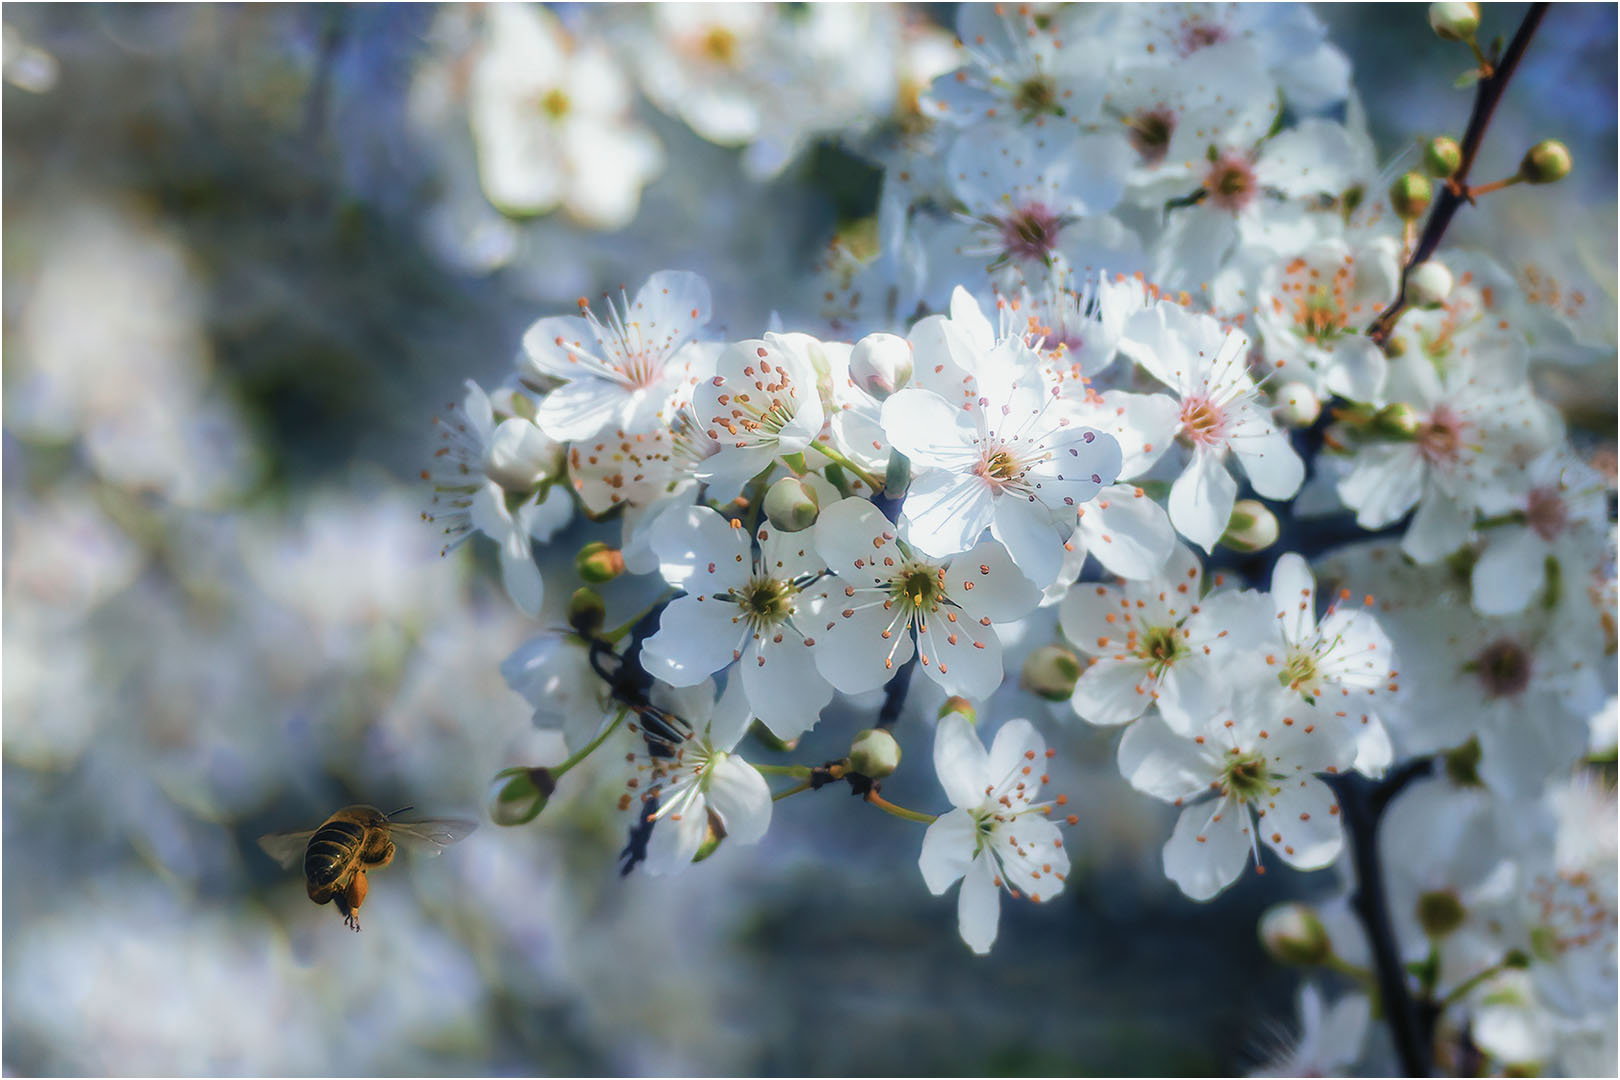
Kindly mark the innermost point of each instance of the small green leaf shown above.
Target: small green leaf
(1466, 79)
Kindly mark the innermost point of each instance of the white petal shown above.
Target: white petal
(1358, 370)
(1293, 596)
(1129, 533)
(1027, 531)
(1301, 823)
(946, 513)
(519, 573)
(741, 797)
(960, 761)
(929, 430)
(848, 532)
(1096, 618)
(1208, 848)
(1189, 691)
(852, 652)
(1511, 570)
(978, 906)
(787, 691)
(947, 849)
(1440, 526)
(1016, 745)
(1112, 691)
(544, 351)
(700, 552)
(580, 409)
(1384, 483)
(1201, 499)
(1156, 761)
(986, 583)
(1274, 469)
(960, 654)
(696, 638)
(676, 837)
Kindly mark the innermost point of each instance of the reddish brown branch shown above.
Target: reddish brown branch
(1454, 192)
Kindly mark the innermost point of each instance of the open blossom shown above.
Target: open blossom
(1048, 71)
(1563, 518)
(553, 122)
(1160, 642)
(696, 786)
(886, 594)
(496, 479)
(1257, 762)
(997, 836)
(760, 404)
(1330, 1038)
(758, 606)
(624, 372)
(1009, 457)
(1221, 412)
(553, 673)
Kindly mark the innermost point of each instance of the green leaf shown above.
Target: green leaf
(1466, 79)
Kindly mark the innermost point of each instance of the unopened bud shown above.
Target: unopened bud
(1051, 671)
(880, 364)
(1429, 284)
(1442, 156)
(711, 839)
(1454, 22)
(1297, 405)
(586, 611)
(791, 504)
(1251, 527)
(1398, 420)
(519, 794)
(598, 563)
(1440, 912)
(961, 705)
(874, 753)
(1293, 934)
(520, 456)
(1410, 195)
(1546, 162)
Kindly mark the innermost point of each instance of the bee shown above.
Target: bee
(349, 843)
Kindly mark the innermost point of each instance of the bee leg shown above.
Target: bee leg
(351, 899)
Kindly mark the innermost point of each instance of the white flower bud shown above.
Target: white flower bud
(1297, 405)
(874, 753)
(520, 456)
(1429, 284)
(880, 364)
(1251, 527)
(791, 504)
(1293, 934)
(1051, 671)
(1454, 22)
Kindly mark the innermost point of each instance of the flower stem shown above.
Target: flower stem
(1467, 985)
(617, 635)
(794, 790)
(585, 751)
(801, 771)
(827, 450)
(899, 811)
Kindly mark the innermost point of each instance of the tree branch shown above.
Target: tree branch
(1455, 191)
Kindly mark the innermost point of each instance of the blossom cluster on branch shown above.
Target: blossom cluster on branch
(1114, 334)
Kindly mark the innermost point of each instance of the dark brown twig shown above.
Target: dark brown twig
(1454, 192)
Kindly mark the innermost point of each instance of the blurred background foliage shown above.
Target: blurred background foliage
(240, 275)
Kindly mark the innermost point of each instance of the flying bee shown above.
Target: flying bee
(349, 843)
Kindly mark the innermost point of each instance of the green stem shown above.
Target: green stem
(585, 751)
(613, 637)
(801, 771)
(1462, 990)
(827, 450)
(794, 790)
(899, 811)
(1345, 967)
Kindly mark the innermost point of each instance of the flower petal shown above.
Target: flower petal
(1208, 848)
(1201, 499)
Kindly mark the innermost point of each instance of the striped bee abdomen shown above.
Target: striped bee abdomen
(330, 850)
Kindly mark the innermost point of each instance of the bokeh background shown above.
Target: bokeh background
(245, 260)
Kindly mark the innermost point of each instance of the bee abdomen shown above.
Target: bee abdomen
(330, 850)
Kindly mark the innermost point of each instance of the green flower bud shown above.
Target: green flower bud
(874, 753)
(1442, 156)
(1429, 284)
(1397, 420)
(1410, 195)
(1296, 405)
(1251, 527)
(791, 504)
(1454, 22)
(586, 611)
(1440, 912)
(1292, 934)
(519, 794)
(1051, 671)
(961, 705)
(598, 563)
(1546, 162)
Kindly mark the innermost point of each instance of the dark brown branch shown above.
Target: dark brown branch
(1454, 192)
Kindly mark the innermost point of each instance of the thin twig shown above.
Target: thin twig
(1455, 191)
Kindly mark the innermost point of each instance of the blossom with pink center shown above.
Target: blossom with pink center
(1220, 411)
(887, 595)
(624, 372)
(1007, 456)
(1562, 518)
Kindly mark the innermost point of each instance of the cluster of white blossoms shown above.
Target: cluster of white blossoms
(1137, 282)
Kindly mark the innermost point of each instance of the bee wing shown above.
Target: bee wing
(429, 837)
(286, 847)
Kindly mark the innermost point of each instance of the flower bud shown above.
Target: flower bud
(1439, 912)
(598, 563)
(1410, 195)
(791, 504)
(1297, 405)
(586, 611)
(1454, 22)
(1399, 420)
(874, 753)
(1429, 283)
(1546, 162)
(1292, 934)
(1051, 671)
(961, 705)
(519, 794)
(1251, 527)
(880, 364)
(1442, 156)
(520, 456)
